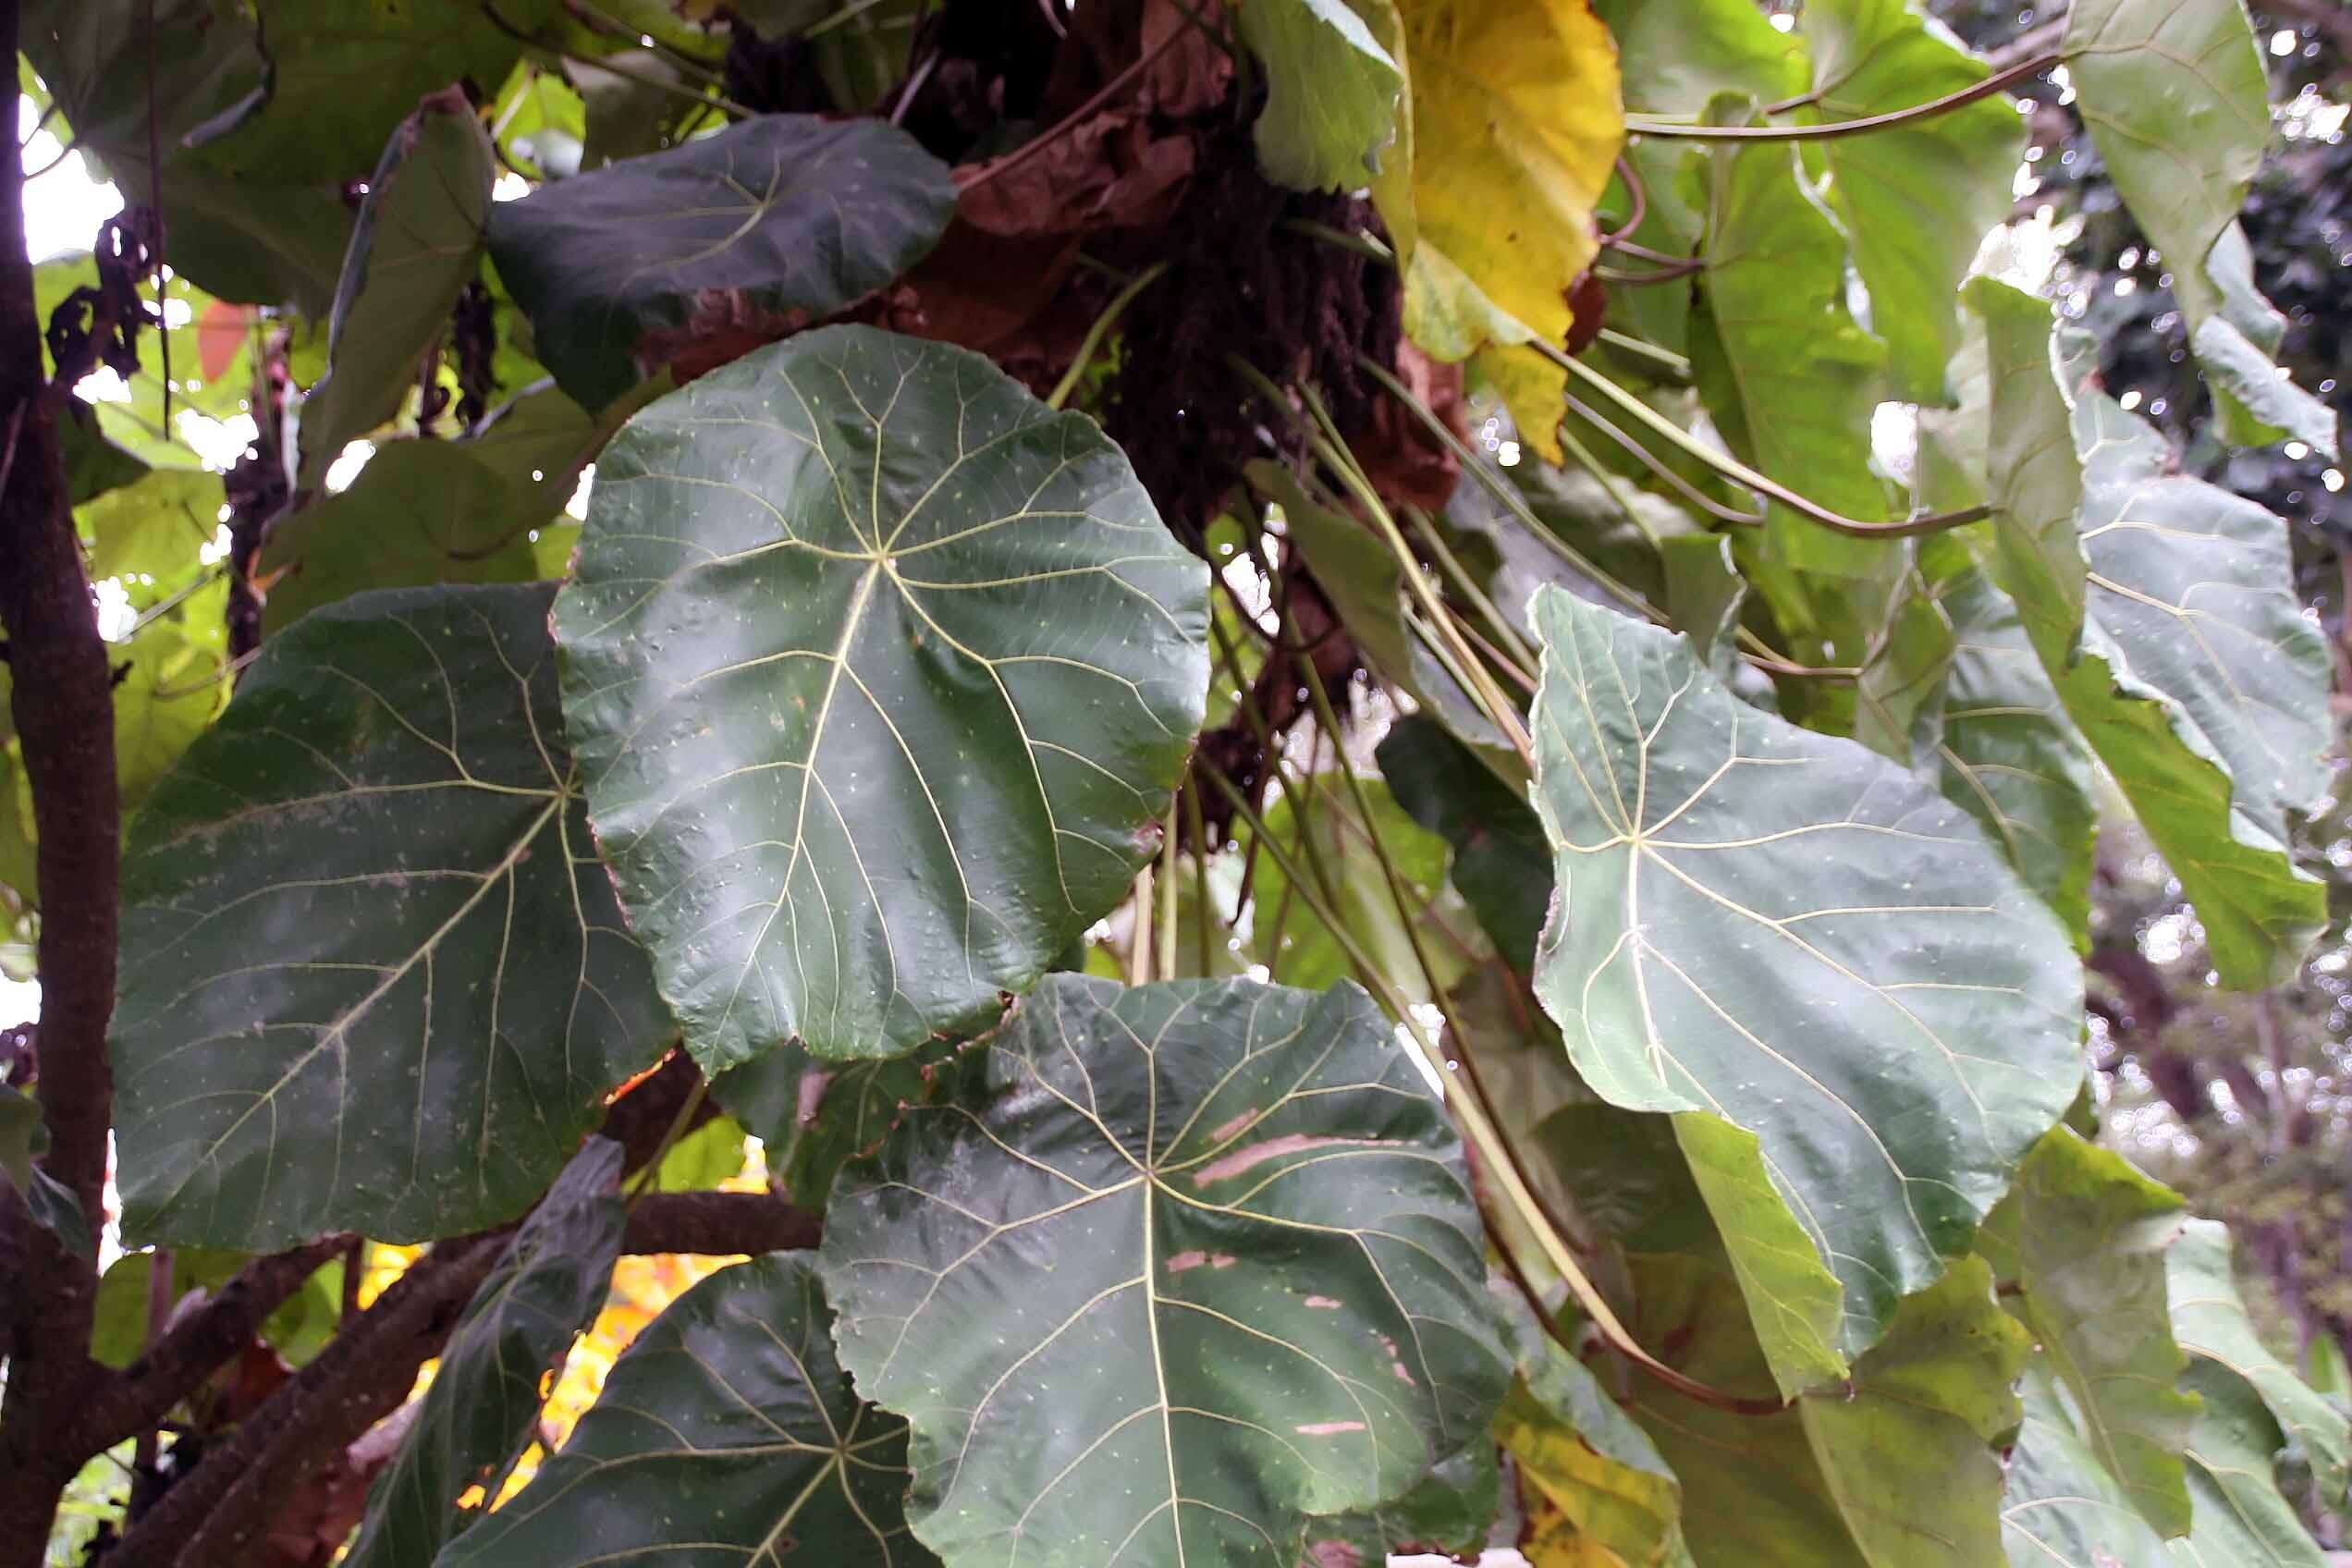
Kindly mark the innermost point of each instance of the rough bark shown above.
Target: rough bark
(63, 707)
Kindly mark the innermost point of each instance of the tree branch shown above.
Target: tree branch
(62, 703)
(719, 1224)
(197, 1346)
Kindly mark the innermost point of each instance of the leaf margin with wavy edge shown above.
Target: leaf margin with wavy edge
(2053, 1470)
(1331, 97)
(481, 1409)
(2001, 934)
(882, 1218)
(776, 1295)
(649, 755)
(2086, 1238)
(179, 836)
(2257, 908)
(2209, 1322)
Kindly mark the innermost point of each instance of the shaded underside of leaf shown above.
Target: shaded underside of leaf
(738, 238)
(483, 1406)
(2165, 611)
(725, 1434)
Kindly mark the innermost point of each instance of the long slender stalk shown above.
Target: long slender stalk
(1163, 925)
(1204, 906)
(1665, 471)
(1521, 655)
(1332, 450)
(1731, 467)
(1502, 493)
(1640, 126)
(1094, 334)
(1494, 1154)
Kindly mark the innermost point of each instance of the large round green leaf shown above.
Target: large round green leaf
(373, 977)
(727, 1434)
(1790, 933)
(732, 239)
(881, 674)
(1205, 1265)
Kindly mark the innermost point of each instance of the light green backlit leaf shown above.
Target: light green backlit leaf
(1793, 934)
(1332, 93)
(2085, 1235)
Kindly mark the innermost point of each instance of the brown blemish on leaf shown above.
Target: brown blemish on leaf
(1254, 1155)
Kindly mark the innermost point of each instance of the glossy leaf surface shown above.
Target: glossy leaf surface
(1789, 932)
(445, 989)
(773, 223)
(881, 674)
(1266, 1298)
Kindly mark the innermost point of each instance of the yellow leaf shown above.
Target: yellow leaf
(1516, 123)
(1554, 1541)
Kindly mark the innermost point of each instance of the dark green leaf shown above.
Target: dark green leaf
(1267, 1299)
(1502, 865)
(726, 1433)
(2164, 610)
(1332, 94)
(94, 465)
(2085, 1236)
(1447, 1512)
(417, 243)
(881, 676)
(740, 236)
(482, 1407)
(1786, 930)
(373, 975)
